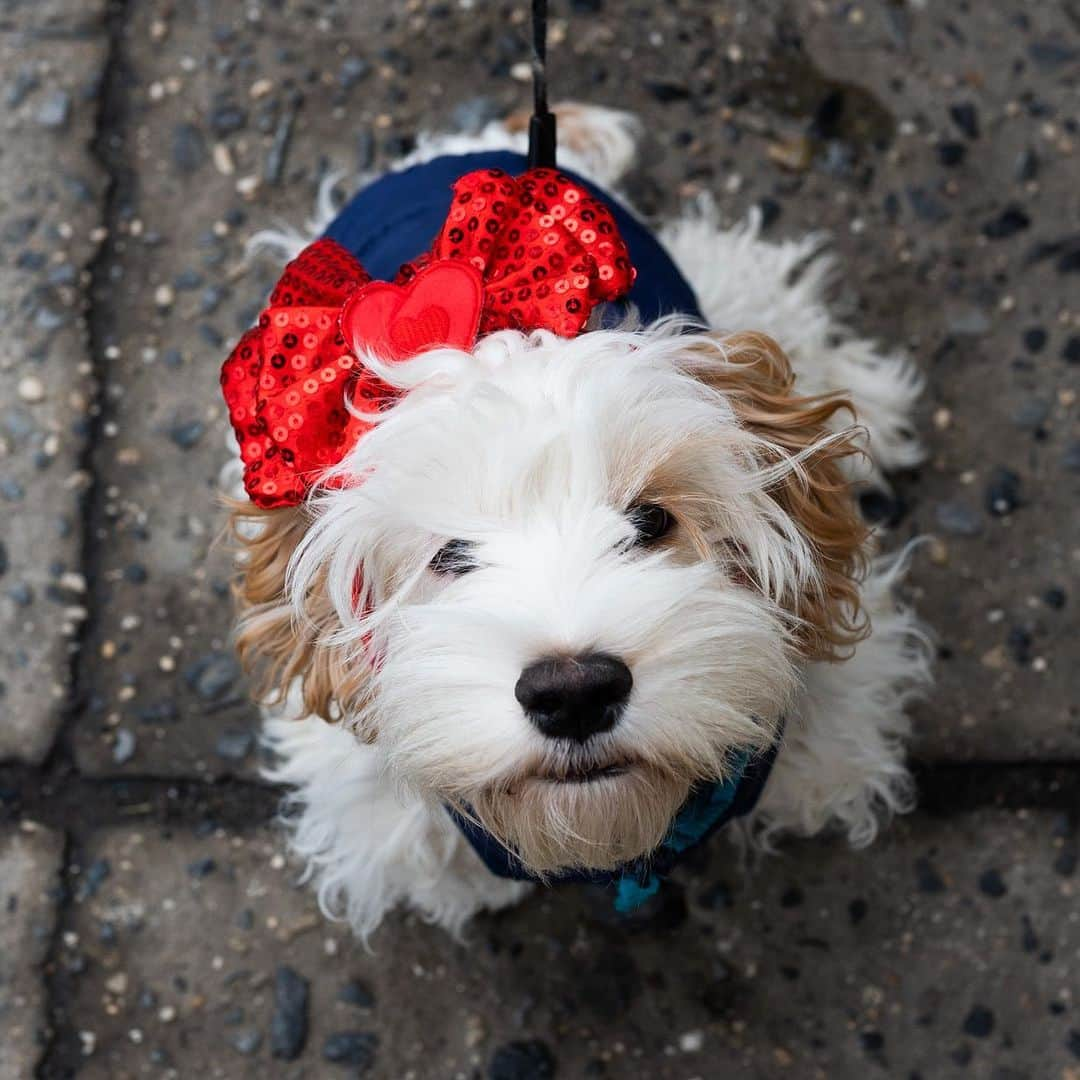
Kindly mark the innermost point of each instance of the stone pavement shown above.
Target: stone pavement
(53, 58)
(30, 863)
(144, 143)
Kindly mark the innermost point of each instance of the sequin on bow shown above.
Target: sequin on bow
(545, 251)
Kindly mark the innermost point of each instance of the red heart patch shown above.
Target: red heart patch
(440, 306)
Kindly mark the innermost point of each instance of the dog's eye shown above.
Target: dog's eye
(651, 521)
(454, 557)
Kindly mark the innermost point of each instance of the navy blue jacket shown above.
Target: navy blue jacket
(397, 217)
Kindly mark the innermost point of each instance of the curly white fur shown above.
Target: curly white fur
(780, 288)
(470, 453)
(367, 846)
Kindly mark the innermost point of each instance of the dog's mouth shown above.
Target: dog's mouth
(586, 774)
(579, 771)
(571, 808)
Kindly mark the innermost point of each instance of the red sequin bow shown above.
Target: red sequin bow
(527, 253)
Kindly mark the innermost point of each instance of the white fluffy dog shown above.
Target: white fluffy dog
(596, 570)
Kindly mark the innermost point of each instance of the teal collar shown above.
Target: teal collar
(708, 808)
(705, 810)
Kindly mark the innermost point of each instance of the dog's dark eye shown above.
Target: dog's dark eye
(651, 521)
(454, 557)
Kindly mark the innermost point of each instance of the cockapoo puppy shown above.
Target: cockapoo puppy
(562, 585)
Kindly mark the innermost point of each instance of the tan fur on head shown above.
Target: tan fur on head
(757, 380)
(274, 646)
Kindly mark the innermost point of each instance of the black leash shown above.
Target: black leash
(542, 122)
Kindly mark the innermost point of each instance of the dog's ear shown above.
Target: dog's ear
(756, 379)
(278, 645)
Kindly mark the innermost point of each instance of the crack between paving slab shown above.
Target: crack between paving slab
(57, 779)
(109, 124)
(64, 800)
(79, 805)
(949, 788)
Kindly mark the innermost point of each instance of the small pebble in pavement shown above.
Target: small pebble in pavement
(1027, 165)
(354, 1048)
(1034, 338)
(31, 389)
(1009, 222)
(357, 993)
(289, 1026)
(927, 877)
(1030, 415)
(124, 746)
(226, 119)
(188, 148)
(979, 1022)
(958, 519)
(667, 91)
(353, 70)
(26, 81)
(1002, 491)
(966, 117)
(55, 110)
(951, 154)
(212, 675)
(247, 1042)
(992, 884)
(525, 1060)
(186, 434)
(1019, 643)
(1055, 597)
(234, 745)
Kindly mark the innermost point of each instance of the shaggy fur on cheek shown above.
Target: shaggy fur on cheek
(288, 643)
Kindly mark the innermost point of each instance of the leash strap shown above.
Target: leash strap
(542, 135)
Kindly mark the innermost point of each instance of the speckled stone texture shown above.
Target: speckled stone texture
(144, 144)
(948, 950)
(30, 859)
(51, 62)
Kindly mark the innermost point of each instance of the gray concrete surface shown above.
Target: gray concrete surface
(949, 950)
(30, 864)
(936, 143)
(52, 59)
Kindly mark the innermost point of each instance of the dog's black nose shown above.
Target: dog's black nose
(574, 697)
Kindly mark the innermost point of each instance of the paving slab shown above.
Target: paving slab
(51, 18)
(29, 895)
(935, 144)
(51, 193)
(948, 950)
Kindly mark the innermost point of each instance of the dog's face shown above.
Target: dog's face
(568, 580)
